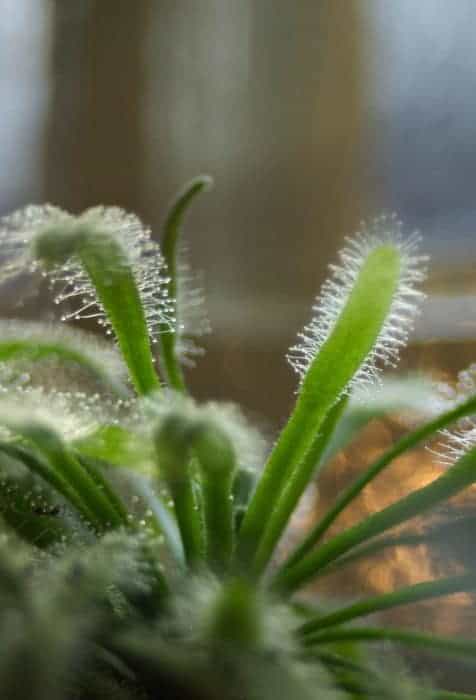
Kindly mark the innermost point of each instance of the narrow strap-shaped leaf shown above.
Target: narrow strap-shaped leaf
(455, 479)
(29, 505)
(91, 489)
(242, 488)
(336, 660)
(453, 646)
(403, 596)
(376, 546)
(94, 469)
(310, 467)
(170, 240)
(105, 262)
(65, 463)
(455, 532)
(408, 442)
(351, 340)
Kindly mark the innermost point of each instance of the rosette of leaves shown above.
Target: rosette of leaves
(140, 530)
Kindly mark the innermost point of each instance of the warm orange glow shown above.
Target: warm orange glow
(396, 566)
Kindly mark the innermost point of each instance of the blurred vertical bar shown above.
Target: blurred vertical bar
(94, 145)
(269, 98)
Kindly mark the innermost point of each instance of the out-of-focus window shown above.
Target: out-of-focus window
(24, 40)
(422, 68)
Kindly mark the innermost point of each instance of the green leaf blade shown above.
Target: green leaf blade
(426, 590)
(353, 337)
(424, 432)
(454, 480)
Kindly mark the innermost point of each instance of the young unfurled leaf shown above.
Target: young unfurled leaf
(177, 342)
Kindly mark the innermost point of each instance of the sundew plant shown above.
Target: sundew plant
(139, 551)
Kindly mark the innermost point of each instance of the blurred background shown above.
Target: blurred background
(310, 115)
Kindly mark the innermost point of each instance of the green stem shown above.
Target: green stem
(309, 468)
(173, 443)
(404, 596)
(456, 478)
(94, 470)
(352, 338)
(216, 457)
(348, 495)
(170, 239)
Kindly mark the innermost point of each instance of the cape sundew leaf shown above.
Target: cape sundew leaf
(107, 260)
(108, 268)
(364, 315)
